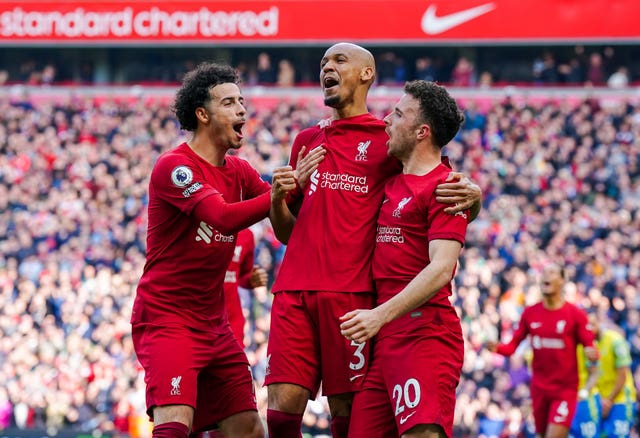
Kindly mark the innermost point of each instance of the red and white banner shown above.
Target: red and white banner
(298, 22)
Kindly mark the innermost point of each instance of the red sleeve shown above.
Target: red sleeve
(231, 218)
(443, 225)
(518, 336)
(585, 336)
(246, 260)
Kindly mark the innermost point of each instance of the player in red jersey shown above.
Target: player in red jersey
(555, 328)
(326, 270)
(244, 273)
(196, 373)
(417, 359)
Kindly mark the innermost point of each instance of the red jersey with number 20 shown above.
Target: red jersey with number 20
(187, 259)
(331, 245)
(554, 335)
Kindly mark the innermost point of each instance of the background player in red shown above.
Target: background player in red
(555, 328)
(410, 390)
(244, 273)
(196, 373)
(326, 270)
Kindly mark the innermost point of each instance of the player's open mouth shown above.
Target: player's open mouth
(238, 128)
(329, 82)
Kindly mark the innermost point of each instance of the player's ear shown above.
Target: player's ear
(366, 74)
(423, 131)
(203, 115)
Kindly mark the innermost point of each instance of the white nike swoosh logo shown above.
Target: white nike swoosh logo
(535, 325)
(433, 25)
(404, 419)
(351, 379)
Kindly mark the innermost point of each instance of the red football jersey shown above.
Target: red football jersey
(332, 242)
(187, 259)
(554, 336)
(410, 217)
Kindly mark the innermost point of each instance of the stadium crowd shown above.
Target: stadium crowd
(561, 180)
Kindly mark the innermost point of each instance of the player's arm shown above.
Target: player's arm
(460, 191)
(361, 325)
(229, 218)
(282, 220)
(593, 370)
(518, 336)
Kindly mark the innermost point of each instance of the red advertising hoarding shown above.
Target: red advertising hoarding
(298, 22)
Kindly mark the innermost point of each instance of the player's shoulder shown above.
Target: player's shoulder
(612, 335)
(177, 161)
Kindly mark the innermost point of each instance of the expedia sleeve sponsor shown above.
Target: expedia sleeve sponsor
(191, 189)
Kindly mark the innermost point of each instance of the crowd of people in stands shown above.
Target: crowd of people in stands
(560, 181)
(472, 67)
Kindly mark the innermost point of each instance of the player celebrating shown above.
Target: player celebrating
(556, 327)
(417, 358)
(326, 270)
(196, 373)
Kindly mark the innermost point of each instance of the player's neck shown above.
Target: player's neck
(208, 151)
(423, 159)
(352, 110)
(420, 163)
(552, 302)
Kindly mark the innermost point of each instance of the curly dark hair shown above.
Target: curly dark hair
(437, 108)
(194, 92)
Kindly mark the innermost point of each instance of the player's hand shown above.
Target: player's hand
(360, 325)
(282, 182)
(258, 277)
(458, 190)
(591, 353)
(306, 165)
(491, 346)
(606, 407)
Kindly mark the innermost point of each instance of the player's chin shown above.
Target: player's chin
(236, 144)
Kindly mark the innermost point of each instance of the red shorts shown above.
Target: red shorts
(413, 378)
(205, 370)
(305, 344)
(553, 407)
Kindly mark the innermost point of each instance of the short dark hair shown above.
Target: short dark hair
(194, 92)
(437, 108)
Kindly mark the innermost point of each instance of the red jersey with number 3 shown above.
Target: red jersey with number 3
(332, 242)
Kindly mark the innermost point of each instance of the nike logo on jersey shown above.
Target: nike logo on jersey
(352, 378)
(434, 25)
(404, 419)
(535, 325)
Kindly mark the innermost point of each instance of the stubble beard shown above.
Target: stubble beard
(332, 101)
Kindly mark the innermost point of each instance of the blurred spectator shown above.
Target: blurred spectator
(595, 70)
(265, 72)
(544, 69)
(286, 74)
(463, 73)
(386, 68)
(425, 69)
(619, 79)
